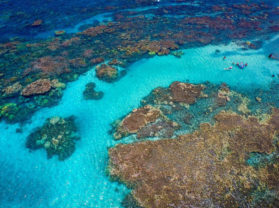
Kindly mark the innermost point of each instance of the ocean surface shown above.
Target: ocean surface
(29, 180)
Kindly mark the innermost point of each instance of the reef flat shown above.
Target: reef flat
(214, 164)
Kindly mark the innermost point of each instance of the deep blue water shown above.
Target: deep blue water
(17, 16)
(29, 179)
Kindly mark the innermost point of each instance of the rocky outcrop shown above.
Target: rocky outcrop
(39, 87)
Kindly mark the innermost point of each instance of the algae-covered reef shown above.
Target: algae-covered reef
(57, 136)
(128, 37)
(225, 157)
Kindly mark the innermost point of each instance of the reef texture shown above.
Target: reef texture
(137, 120)
(184, 92)
(38, 87)
(106, 73)
(206, 168)
(217, 147)
(57, 136)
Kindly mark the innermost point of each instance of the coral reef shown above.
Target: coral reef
(184, 92)
(206, 168)
(90, 94)
(182, 107)
(138, 119)
(97, 60)
(39, 87)
(106, 73)
(57, 136)
(49, 65)
(12, 90)
(9, 111)
(211, 152)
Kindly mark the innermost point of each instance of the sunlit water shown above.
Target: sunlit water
(30, 180)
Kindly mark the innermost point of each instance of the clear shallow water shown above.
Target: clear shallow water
(81, 180)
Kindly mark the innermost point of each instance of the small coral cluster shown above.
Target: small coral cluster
(57, 136)
(90, 94)
(106, 73)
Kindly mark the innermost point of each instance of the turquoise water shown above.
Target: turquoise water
(81, 180)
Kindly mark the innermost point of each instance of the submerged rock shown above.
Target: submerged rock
(90, 94)
(57, 136)
(206, 168)
(39, 87)
(106, 73)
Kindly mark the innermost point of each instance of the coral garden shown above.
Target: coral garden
(129, 36)
(213, 150)
(57, 136)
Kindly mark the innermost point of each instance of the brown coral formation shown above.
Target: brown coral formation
(39, 87)
(49, 65)
(206, 168)
(184, 92)
(106, 72)
(135, 121)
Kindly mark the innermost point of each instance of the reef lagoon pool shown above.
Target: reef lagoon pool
(121, 141)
